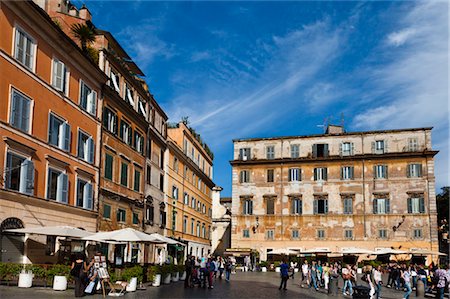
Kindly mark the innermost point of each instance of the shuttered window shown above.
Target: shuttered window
(296, 206)
(320, 206)
(88, 98)
(380, 171)
(347, 173)
(244, 154)
(416, 205)
(20, 116)
(348, 205)
(85, 147)
(270, 206)
(59, 77)
(124, 174)
(414, 170)
(85, 194)
(24, 49)
(244, 176)
(270, 175)
(110, 120)
(19, 173)
(106, 211)
(121, 215)
(59, 132)
(294, 175)
(247, 207)
(137, 180)
(320, 174)
(295, 150)
(109, 163)
(270, 152)
(381, 206)
(57, 185)
(347, 149)
(126, 133)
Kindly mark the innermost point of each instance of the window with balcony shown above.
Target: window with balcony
(110, 120)
(414, 170)
(295, 150)
(244, 176)
(19, 173)
(347, 149)
(57, 185)
(85, 147)
(296, 206)
(124, 174)
(416, 205)
(320, 150)
(59, 132)
(348, 205)
(381, 206)
(320, 174)
(348, 234)
(245, 154)
(126, 133)
(294, 175)
(270, 152)
(20, 116)
(121, 215)
(270, 175)
(320, 206)
(380, 171)
(60, 76)
(379, 147)
(85, 195)
(25, 49)
(247, 207)
(88, 98)
(270, 206)
(347, 172)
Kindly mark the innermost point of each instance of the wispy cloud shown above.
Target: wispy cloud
(400, 37)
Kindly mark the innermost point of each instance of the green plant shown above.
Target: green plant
(57, 270)
(181, 269)
(165, 271)
(85, 34)
(38, 271)
(12, 271)
(263, 264)
(136, 271)
(276, 264)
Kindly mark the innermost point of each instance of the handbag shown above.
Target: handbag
(90, 287)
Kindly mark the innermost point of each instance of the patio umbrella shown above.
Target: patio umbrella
(164, 239)
(355, 251)
(426, 252)
(315, 251)
(123, 235)
(285, 251)
(60, 231)
(390, 251)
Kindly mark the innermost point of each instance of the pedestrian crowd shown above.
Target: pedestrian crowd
(203, 271)
(318, 275)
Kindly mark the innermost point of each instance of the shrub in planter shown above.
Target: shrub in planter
(58, 270)
(136, 271)
(11, 271)
(181, 269)
(264, 264)
(165, 271)
(152, 271)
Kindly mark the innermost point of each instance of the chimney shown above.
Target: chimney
(85, 14)
(334, 129)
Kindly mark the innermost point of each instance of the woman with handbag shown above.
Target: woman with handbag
(78, 271)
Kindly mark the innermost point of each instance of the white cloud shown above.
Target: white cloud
(400, 37)
(199, 56)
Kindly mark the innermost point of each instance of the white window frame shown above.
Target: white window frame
(244, 176)
(270, 152)
(380, 146)
(64, 132)
(415, 170)
(347, 148)
(23, 177)
(347, 172)
(60, 197)
(85, 189)
(320, 171)
(141, 105)
(381, 171)
(115, 84)
(64, 88)
(128, 94)
(33, 48)
(295, 174)
(30, 112)
(248, 207)
(89, 153)
(295, 151)
(413, 144)
(91, 99)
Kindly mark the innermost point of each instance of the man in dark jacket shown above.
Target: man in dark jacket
(284, 272)
(188, 268)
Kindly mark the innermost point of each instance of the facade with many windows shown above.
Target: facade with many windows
(50, 130)
(370, 190)
(189, 191)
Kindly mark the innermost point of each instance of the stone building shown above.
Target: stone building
(336, 190)
(50, 128)
(221, 228)
(189, 190)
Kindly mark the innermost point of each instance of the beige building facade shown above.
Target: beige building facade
(336, 190)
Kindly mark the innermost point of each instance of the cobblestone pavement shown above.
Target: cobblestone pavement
(242, 285)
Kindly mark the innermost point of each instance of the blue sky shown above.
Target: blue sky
(258, 69)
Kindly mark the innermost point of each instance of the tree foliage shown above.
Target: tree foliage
(442, 201)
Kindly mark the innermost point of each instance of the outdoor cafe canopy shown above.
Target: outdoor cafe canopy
(123, 235)
(60, 231)
(284, 251)
(163, 239)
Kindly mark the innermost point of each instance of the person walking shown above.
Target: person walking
(305, 273)
(406, 276)
(314, 275)
(326, 275)
(78, 271)
(347, 276)
(188, 268)
(284, 272)
(442, 278)
(378, 281)
(221, 266)
(228, 267)
(211, 268)
(334, 280)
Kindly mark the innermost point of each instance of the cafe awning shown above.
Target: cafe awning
(60, 231)
(284, 251)
(123, 235)
(166, 240)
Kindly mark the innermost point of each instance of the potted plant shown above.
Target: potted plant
(154, 273)
(174, 272)
(182, 272)
(25, 278)
(166, 274)
(59, 275)
(9, 271)
(39, 272)
(133, 276)
(263, 266)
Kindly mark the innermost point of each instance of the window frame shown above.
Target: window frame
(11, 118)
(89, 150)
(33, 41)
(92, 110)
(65, 76)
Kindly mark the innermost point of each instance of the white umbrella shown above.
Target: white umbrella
(355, 251)
(426, 252)
(164, 239)
(61, 231)
(123, 235)
(285, 251)
(316, 250)
(390, 251)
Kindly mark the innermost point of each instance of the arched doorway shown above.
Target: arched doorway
(11, 245)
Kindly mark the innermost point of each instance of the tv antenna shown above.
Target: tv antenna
(326, 122)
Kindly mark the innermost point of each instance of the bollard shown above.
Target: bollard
(420, 289)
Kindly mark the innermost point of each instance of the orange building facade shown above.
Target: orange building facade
(50, 127)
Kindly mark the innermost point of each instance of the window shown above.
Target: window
(137, 180)
(57, 185)
(294, 175)
(110, 120)
(244, 154)
(115, 80)
(244, 176)
(192, 225)
(59, 78)
(269, 234)
(24, 49)
(246, 233)
(204, 209)
(295, 150)
(347, 149)
(85, 194)
(248, 207)
(124, 174)
(416, 205)
(20, 116)
(199, 207)
(135, 218)
(19, 173)
(175, 164)
(320, 150)
(161, 159)
(142, 109)
(193, 202)
(161, 182)
(198, 229)
(199, 184)
(417, 233)
(413, 145)
(106, 211)
(270, 177)
(121, 215)
(85, 147)
(88, 98)
(270, 206)
(348, 234)
(347, 172)
(320, 206)
(162, 215)
(381, 206)
(380, 171)
(139, 142)
(320, 234)
(186, 198)
(348, 205)
(379, 147)
(414, 170)
(59, 132)
(109, 161)
(295, 234)
(320, 174)
(175, 192)
(296, 206)
(129, 94)
(382, 233)
(270, 152)
(126, 133)
(203, 230)
(150, 212)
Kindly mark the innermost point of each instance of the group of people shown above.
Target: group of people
(202, 271)
(316, 275)
(83, 273)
